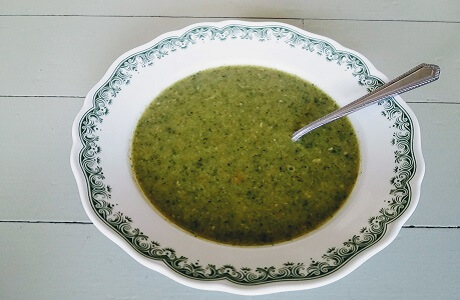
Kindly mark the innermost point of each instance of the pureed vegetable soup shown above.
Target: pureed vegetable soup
(213, 153)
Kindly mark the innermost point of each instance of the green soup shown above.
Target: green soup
(213, 153)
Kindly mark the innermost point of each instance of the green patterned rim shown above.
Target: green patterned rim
(96, 192)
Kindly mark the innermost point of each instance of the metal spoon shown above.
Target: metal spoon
(418, 76)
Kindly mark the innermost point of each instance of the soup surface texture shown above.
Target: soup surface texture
(213, 153)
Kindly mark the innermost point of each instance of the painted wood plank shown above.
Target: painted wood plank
(36, 182)
(395, 47)
(439, 203)
(445, 10)
(77, 262)
(43, 55)
(54, 62)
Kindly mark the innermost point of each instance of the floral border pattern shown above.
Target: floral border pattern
(99, 193)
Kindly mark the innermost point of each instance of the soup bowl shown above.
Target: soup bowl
(384, 196)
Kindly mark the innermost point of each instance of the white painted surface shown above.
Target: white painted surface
(410, 10)
(78, 262)
(66, 56)
(50, 193)
(43, 54)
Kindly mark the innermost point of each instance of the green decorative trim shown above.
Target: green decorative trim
(99, 192)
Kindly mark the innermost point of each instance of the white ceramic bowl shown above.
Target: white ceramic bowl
(385, 195)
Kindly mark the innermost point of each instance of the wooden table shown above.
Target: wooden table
(53, 52)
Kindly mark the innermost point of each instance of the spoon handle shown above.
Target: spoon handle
(418, 76)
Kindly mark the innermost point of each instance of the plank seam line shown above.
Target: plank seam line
(228, 17)
(40, 96)
(431, 101)
(46, 222)
(89, 223)
(432, 226)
